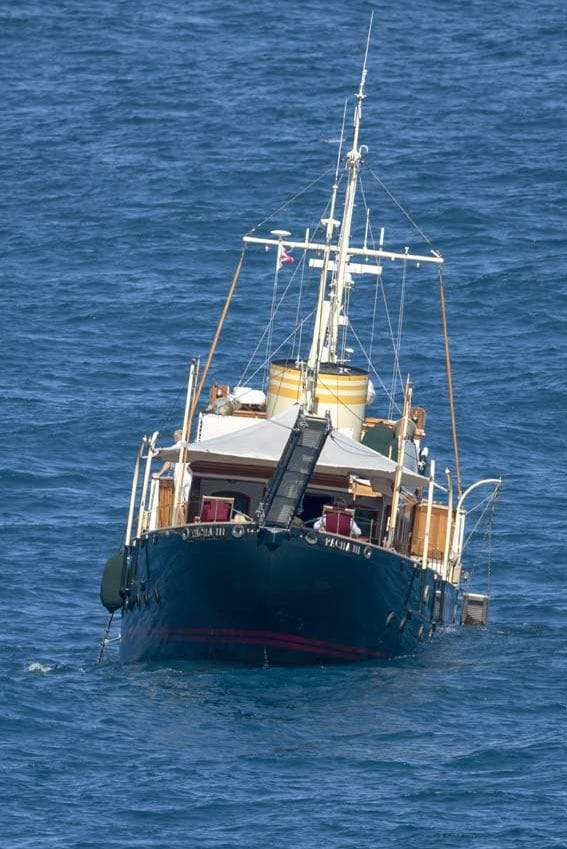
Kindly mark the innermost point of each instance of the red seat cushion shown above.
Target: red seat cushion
(337, 522)
(215, 510)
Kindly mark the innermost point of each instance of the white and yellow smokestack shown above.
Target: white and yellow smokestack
(340, 389)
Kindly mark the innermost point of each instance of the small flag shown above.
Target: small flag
(284, 257)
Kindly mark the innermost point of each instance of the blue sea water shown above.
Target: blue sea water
(138, 142)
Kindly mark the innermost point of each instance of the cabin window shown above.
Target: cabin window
(313, 506)
(241, 500)
(369, 523)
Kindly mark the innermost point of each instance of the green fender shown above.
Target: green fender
(113, 581)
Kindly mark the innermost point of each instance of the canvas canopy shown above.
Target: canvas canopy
(262, 444)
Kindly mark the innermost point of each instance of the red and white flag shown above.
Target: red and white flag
(284, 257)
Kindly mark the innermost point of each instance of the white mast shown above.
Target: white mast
(322, 312)
(321, 317)
(342, 276)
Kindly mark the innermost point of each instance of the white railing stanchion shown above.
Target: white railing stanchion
(449, 527)
(130, 520)
(428, 513)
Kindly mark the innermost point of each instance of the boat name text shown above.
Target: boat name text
(204, 532)
(343, 545)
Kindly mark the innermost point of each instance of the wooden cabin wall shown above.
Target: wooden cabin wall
(437, 531)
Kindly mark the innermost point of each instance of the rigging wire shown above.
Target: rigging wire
(450, 383)
(342, 403)
(286, 203)
(489, 501)
(374, 310)
(414, 224)
(244, 375)
(297, 314)
(275, 351)
(489, 537)
(374, 372)
(272, 314)
(345, 312)
(486, 544)
(341, 140)
(398, 340)
(383, 291)
(390, 329)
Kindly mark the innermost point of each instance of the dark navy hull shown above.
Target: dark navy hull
(235, 594)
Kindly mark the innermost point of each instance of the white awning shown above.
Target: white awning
(262, 444)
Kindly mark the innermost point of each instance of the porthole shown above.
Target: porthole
(390, 618)
(238, 531)
(311, 538)
(367, 552)
(425, 594)
(185, 534)
(403, 623)
(420, 632)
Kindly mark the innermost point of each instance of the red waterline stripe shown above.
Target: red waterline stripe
(288, 641)
(240, 632)
(272, 643)
(296, 647)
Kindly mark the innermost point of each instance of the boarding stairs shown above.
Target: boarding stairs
(293, 472)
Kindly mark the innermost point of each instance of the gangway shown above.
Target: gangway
(294, 470)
